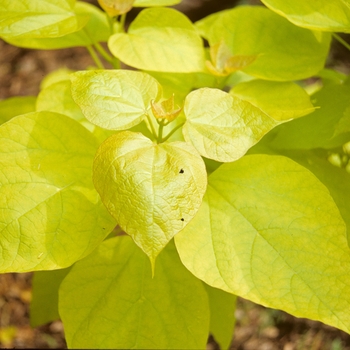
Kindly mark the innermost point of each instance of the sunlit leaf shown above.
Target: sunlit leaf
(51, 215)
(269, 231)
(14, 106)
(126, 308)
(221, 126)
(332, 16)
(152, 190)
(283, 51)
(160, 39)
(114, 99)
(116, 7)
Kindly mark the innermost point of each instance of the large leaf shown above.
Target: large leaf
(114, 99)
(50, 214)
(87, 35)
(269, 231)
(283, 51)
(326, 127)
(160, 39)
(38, 19)
(332, 16)
(280, 100)
(149, 3)
(44, 302)
(152, 190)
(14, 106)
(222, 315)
(109, 300)
(221, 126)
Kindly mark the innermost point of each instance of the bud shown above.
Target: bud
(116, 7)
(165, 109)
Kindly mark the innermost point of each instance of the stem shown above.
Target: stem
(160, 132)
(153, 131)
(172, 132)
(341, 40)
(122, 22)
(103, 53)
(94, 56)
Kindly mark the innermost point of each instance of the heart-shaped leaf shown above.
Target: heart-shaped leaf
(152, 190)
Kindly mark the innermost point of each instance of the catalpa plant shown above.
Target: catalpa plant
(146, 200)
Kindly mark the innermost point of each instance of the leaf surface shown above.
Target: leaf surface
(33, 19)
(221, 126)
(88, 35)
(14, 106)
(160, 39)
(152, 190)
(114, 99)
(50, 214)
(110, 300)
(283, 51)
(279, 100)
(269, 231)
(149, 3)
(332, 16)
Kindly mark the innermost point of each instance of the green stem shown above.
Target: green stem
(103, 53)
(160, 132)
(122, 23)
(153, 131)
(172, 132)
(341, 40)
(94, 56)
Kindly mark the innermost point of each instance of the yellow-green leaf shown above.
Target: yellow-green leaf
(114, 99)
(280, 100)
(283, 51)
(51, 215)
(331, 16)
(14, 106)
(160, 39)
(149, 3)
(38, 19)
(88, 35)
(269, 231)
(152, 190)
(221, 126)
(109, 300)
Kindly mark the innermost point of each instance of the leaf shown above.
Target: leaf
(279, 100)
(319, 129)
(116, 7)
(14, 106)
(149, 3)
(160, 39)
(152, 190)
(44, 302)
(50, 214)
(343, 125)
(332, 16)
(222, 315)
(269, 231)
(32, 19)
(114, 99)
(221, 126)
(283, 51)
(110, 300)
(88, 35)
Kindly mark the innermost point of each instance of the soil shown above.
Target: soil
(257, 328)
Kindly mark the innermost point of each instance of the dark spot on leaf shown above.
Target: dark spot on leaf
(181, 171)
(182, 219)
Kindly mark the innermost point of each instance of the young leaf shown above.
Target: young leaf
(14, 106)
(321, 128)
(279, 100)
(114, 99)
(88, 35)
(331, 16)
(149, 3)
(116, 7)
(110, 300)
(38, 19)
(160, 39)
(283, 51)
(44, 302)
(152, 190)
(269, 231)
(222, 315)
(51, 215)
(221, 126)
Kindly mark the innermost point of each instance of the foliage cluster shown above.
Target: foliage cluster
(146, 200)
